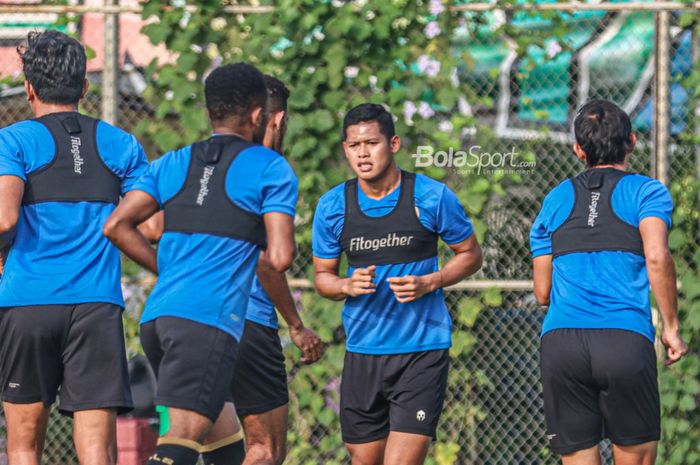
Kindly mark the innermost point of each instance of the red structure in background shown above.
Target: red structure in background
(136, 441)
(132, 43)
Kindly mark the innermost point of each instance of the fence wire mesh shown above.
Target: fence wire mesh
(493, 411)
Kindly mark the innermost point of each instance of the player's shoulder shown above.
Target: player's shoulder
(177, 157)
(639, 181)
(429, 190)
(114, 134)
(260, 154)
(25, 129)
(561, 192)
(425, 182)
(334, 199)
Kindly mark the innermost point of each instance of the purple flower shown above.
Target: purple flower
(296, 296)
(432, 29)
(409, 109)
(445, 126)
(428, 66)
(454, 77)
(436, 7)
(331, 392)
(425, 111)
(553, 48)
(126, 292)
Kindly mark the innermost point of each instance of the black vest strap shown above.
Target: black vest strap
(398, 237)
(203, 206)
(593, 226)
(77, 172)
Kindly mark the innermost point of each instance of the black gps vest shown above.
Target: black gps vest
(77, 172)
(202, 204)
(592, 225)
(398, 237)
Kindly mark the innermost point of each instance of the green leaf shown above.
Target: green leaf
(676, 239)
(186, 61)
(468, 311)
(157, 32)
(492, 297)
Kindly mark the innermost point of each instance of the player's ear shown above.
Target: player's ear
(395, 144)
(580, 154)
(256, 116)
(29, 89)
(85, 88)
(278, 118)
(632, 143)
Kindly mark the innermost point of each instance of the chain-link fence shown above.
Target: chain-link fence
(493, 410)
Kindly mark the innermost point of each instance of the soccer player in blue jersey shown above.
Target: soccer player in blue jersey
(260, 379)
(224, 199)
(61, 175)
(387, 221)
(599, 241)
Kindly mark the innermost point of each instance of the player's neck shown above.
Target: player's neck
(383, 186)
(227, 130)
(43, 109)
(617, 166)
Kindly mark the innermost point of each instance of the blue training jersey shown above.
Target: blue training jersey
(377, 323)
(260, 308)
(605, 289)
(207, 278)
(59, 254)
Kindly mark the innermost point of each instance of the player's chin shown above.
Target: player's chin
(369, 175)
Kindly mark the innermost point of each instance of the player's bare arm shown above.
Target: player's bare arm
(542, 277)
(466, 261)
(662, 279)
(122, 228)
(331, 286)
(276, 286)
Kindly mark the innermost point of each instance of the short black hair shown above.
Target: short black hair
(370, 112)
(55, 65)
(603, 131)
(233, 90)
(277, 94)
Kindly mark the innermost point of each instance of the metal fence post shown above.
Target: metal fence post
(662, 57)
(110, 71)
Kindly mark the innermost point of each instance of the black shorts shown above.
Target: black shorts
(260, 378)
(599, 383)
(193, 363)
(79, 348)
(383, 393)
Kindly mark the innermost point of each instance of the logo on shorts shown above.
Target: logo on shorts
(13, 385)
(420, 415)
(551, 436)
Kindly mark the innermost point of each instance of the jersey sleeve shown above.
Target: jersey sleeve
(11, 161)
(325, 239)
(556, 208)
(280, 189)
(122, 153)
(136, 166)
(540, 235)
(452, 222)
(542, 227)
(656, 201)
(148, 181)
